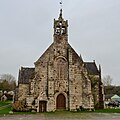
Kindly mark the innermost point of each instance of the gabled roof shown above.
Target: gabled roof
(48, 51)
(43, 55)
(75, 55)
(25, 75)
(91, 68)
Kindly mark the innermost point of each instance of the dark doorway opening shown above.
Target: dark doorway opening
(42, 106)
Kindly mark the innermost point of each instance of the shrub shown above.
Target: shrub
(19, 106)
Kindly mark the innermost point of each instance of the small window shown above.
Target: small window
(63, 31)
(57, 30)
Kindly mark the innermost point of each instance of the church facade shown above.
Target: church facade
(60, 80)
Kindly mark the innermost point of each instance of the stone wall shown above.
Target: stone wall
(60, 71)
(23, 91)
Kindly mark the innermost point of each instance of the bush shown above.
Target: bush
(19, 106)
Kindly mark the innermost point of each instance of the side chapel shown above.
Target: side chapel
(60, 80)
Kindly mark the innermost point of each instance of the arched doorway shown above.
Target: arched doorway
(61, 102)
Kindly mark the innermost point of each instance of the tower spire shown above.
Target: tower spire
(61, 3)
(60, 25)
(60, 13)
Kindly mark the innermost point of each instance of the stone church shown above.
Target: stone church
(60, 80)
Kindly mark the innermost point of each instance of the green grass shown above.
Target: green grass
(4, 103)
(108, 110)
(5, 110)
(63, 115)
(80, 113)
(57, 113)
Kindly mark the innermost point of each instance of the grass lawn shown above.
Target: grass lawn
(109, 110)
(7, 109)
(57, 113)
(4, 103)
(65, 115)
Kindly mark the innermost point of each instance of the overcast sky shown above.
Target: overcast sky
(26, 31)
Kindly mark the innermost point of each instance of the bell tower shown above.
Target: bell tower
(60, 35)
(60, 26)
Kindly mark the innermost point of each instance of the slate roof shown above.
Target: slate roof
(25, 75)
(91, 68)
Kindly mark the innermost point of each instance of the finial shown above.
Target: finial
(61, 8)
(60, 12)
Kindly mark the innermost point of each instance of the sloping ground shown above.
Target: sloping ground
(68, 116)
(5, 107)
(4, 103)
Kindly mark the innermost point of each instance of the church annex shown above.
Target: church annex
(60, 80)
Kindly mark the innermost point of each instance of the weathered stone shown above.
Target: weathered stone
(61, 79)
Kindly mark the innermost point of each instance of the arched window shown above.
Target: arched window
(61, 69)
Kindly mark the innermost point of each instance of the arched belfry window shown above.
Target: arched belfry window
(60, 30)
(57, 30)
(63, 30)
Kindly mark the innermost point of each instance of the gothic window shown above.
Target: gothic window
(61, 69)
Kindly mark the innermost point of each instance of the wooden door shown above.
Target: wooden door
(42, 106)
(61, 102)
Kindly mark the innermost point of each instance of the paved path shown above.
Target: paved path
(76, 116)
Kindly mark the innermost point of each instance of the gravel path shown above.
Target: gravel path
(22, 117)
(83, 116)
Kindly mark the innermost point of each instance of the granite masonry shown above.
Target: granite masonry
(60, 80)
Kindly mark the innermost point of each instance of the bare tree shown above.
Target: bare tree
(8, 82)
(107, 80)
(7, 77)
